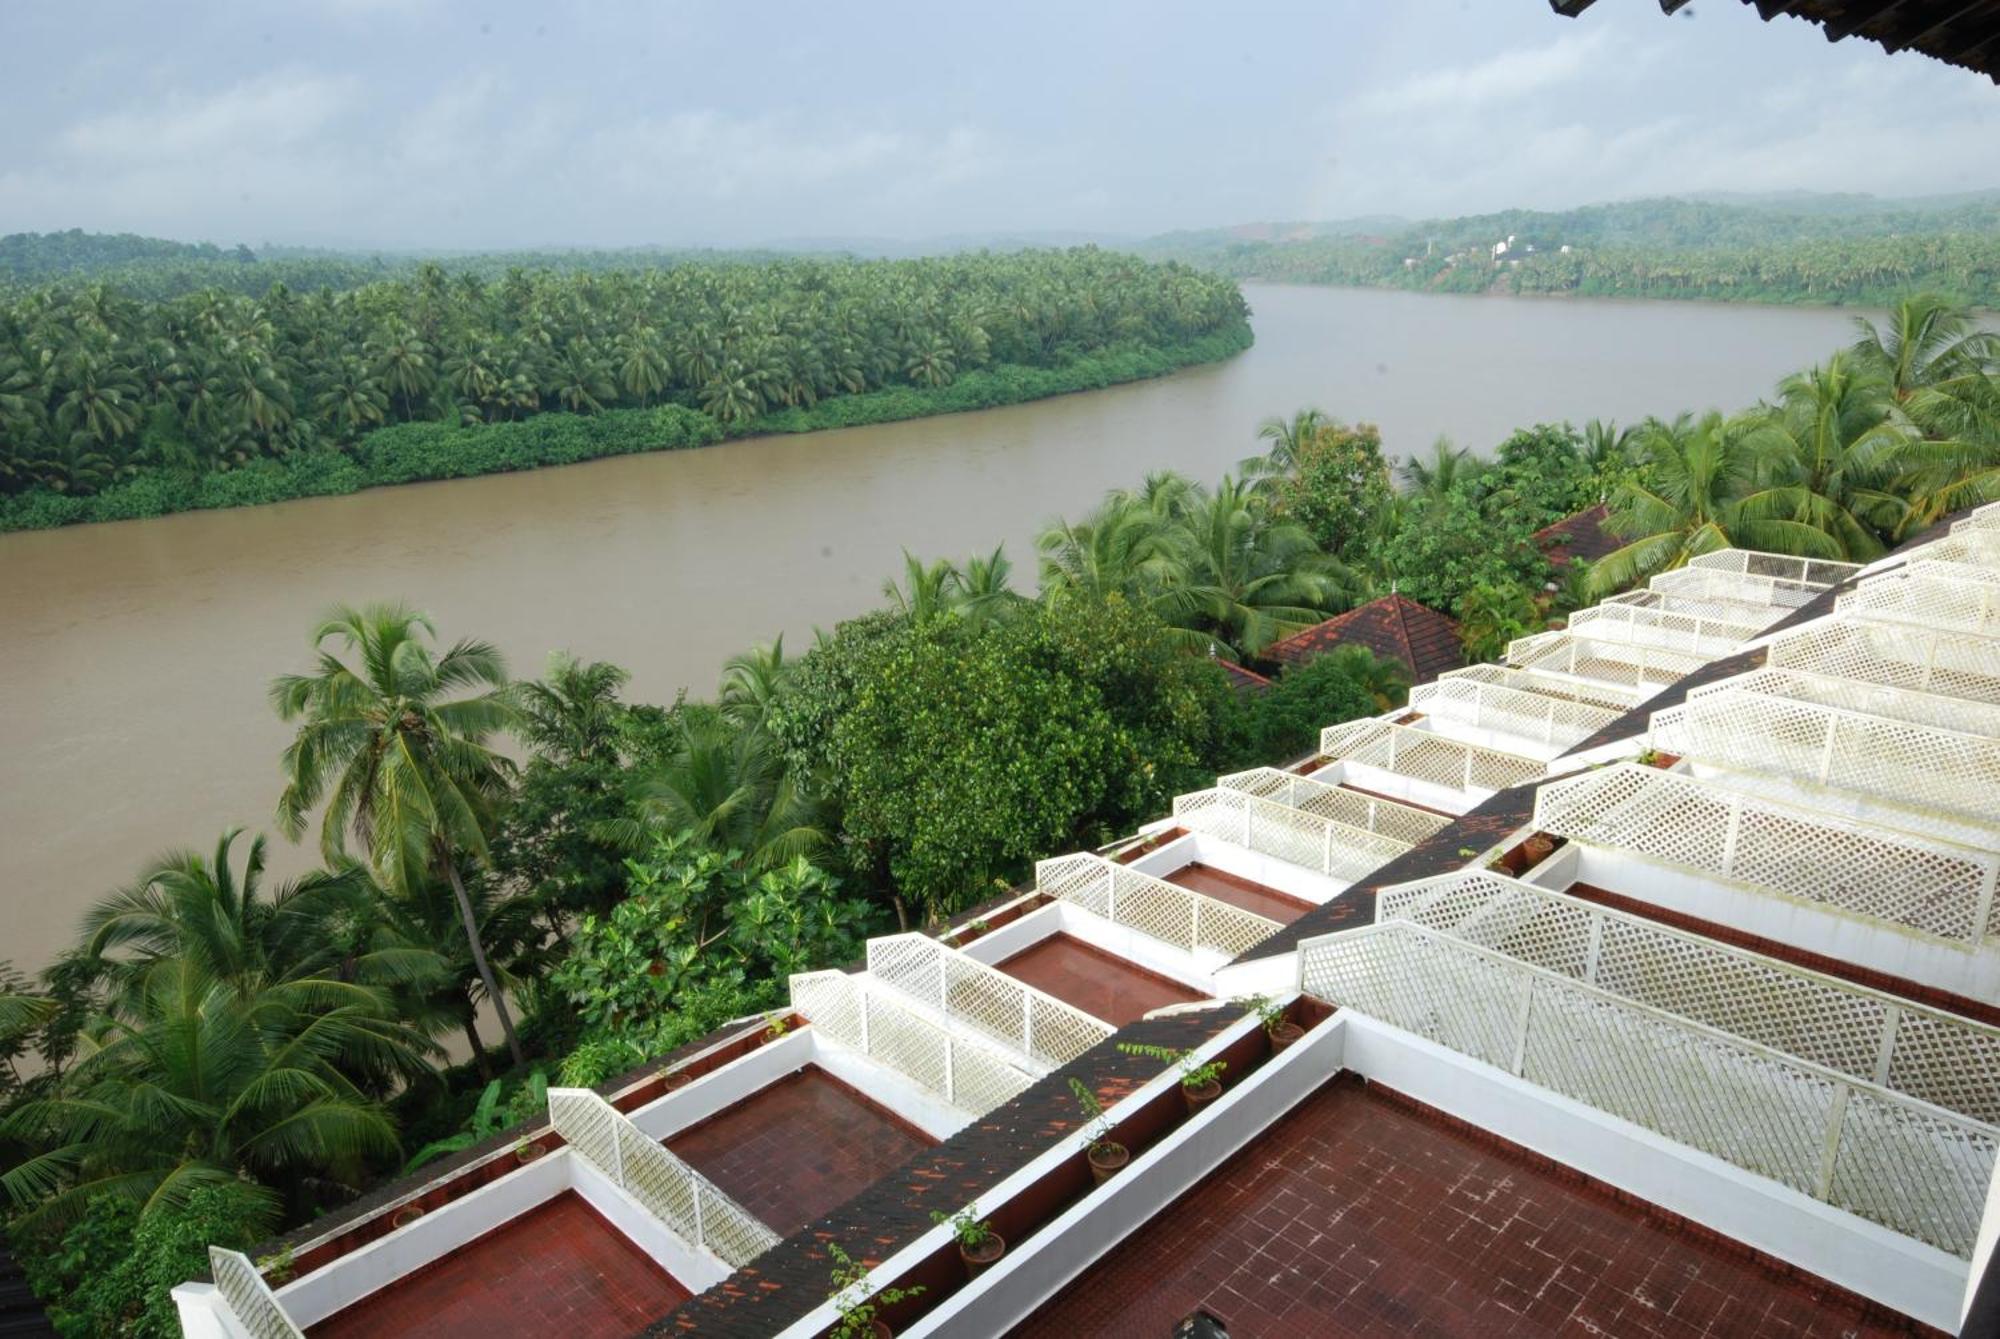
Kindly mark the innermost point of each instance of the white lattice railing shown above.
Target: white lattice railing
(1721, 610)
(1615, 697)
(1295, 836)
(1168, 912)
(1038, 1025)
(1935, 887)
(1425, 755)
(249, 1297)
(1812, 571)
(1982, 519)
(1937, 1057)
(1646, 668)
(1869, 699)
(1915, 766)
(1739, 588)
(1667, 630)
(1402, 823)
(962, 1071)
(1929, 602)
(1977, 546)
(1947, 663)
(1915, 1168)
(682, 1198)
(1510, 711)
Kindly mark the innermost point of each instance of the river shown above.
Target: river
(134, 656)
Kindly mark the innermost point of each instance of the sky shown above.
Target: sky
(418, 124)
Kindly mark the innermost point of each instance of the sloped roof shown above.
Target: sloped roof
(1580, 536)
(1394, 627)
(1247, 682)
(1959, 32)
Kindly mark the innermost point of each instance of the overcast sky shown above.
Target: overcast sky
(428, 123)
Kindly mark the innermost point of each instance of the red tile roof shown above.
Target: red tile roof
(1394, 627)
(1247, 682)
(1580, 536)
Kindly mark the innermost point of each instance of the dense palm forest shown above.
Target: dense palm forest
(101, 390)
(220, 1054)
(1825, 250)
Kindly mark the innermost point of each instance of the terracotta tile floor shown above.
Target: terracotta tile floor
(557, 1269)
(1357, 1215)
(1101, 984)
(798, 1148)
(1240, 892)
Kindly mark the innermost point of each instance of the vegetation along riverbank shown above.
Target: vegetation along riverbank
(1852, 250)
(221, 1055)
(114, 406)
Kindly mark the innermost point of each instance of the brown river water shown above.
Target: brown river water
(134, 656)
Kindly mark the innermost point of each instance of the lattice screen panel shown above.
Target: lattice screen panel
(1915, 766)
(1869, 699)
(1881, 1155)
(1924, 1053)
(1186, 919)
(1929, 602)
(1038, 1025)
(1510, 711)
(1982, 519)
(1648, 668)
(1402, 823)
(962, 1071)
(687, 1202)
(251, 1301)
(1569, 690)
(1935, 887)
(1707, 583)
(1978, 548)
(1721, 611)
(1813, 571)
(1426, 756)
(1292, 835)
(1949, 664)
(1660, 628)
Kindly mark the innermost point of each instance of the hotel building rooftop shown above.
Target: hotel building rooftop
(1647, 983)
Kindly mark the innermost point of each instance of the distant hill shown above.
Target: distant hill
(34, 256)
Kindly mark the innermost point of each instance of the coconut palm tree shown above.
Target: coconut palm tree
(1244, 574)
(403, 766)
(1689, 502)
(207, 1081)
(1445, 470)
(728, 788)
(1288, 438)
(1830, 456)
(571, 714)
(753, 683)
(983, 590)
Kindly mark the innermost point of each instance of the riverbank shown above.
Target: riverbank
(422, 452)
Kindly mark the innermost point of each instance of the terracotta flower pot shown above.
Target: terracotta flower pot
(1197, 1098)
(978, 1259)
(1537, 849)
(1284, 1035)
(528, 1152)
(406, 1215)
(677, 1080)
(1107, 1161)
(882, 1330)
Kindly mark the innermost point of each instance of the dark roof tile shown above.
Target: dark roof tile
(1394, 627)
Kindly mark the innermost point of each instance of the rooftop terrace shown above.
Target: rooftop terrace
(1099, 983)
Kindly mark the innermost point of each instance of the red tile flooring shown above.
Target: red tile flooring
(557, 1269)
(1101, 984)
(1361, 1214)
(1241, 892)
(798, 1148)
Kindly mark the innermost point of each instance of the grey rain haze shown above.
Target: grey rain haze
(426, 123)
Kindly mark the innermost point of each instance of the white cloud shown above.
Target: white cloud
(1471, 90)
(269, 112)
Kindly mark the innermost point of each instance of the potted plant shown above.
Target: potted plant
(857, 1306)
(978, 1244)
(776, 1025)
(1539, 847)
(406, 1215)
(1107, 1157)
(1200, 1083)
(675, 1079)
(1278, 1025)
(527, 1150)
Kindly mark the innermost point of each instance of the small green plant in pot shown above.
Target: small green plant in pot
(1107, 1156)
(978, 1244)
(858, 1306)
(1201, 1082)
(1278, 1025)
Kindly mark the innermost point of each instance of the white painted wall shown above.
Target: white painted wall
(1293, 880)
(1399, 787)
(1527, 746)
(1895, 949)
(693, 1267)
(1983, 1245)
(203, 1314)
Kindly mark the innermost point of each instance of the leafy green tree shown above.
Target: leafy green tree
(409, 770)
(728, 789)
(1337, 486)
(1288, 439)
(1829, 456)
(1285, 722)
(1447, 544)
(1448, 469)
(1489, 617)
(1540, 475)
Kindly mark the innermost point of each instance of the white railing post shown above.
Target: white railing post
(950, 1071)
(1983, 911)
(700, 1222)
(1027, 1022)
(1829, 1155)
(1885, 1049)
(1521, 1028)
(1111, 893)
(1194, 927)
(617, 1145)
(1326, 848)
(1730, 830)
(1596, 947)
(1826, 752)
(866, 1047)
